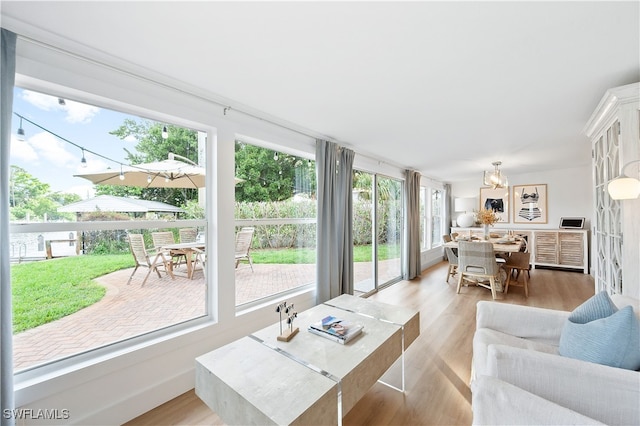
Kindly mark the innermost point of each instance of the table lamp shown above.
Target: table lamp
(465, 205)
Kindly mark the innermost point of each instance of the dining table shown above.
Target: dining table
(188, 250)
(500, 245)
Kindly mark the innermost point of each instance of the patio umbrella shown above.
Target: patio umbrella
(170, 173)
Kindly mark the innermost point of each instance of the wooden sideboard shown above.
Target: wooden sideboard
(559, 248)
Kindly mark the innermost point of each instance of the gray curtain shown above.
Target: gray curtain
(334, 229)
(7, 78)
(447, 202)
(412, 267)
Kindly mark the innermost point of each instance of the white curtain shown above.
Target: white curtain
(334, 229)
(412, 267)
(7, 78)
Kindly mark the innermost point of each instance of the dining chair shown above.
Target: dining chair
(143, 258)
(477, 263)
(446, 238)
(518, 262)
(243, 245)
(453, 262)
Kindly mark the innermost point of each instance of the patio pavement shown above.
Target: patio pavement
(130, 310)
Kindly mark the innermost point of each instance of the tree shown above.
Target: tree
(151, 147)
(271, 176)
(29, 197)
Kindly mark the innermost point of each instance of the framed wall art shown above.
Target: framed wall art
(530, 203)
(496, 200)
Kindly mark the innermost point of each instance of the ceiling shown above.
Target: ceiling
(445, 88)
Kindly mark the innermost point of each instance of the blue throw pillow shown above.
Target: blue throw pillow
(597, 331)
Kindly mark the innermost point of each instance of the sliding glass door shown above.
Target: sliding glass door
(377, 231)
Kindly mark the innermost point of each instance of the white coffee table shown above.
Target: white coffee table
(310, 379)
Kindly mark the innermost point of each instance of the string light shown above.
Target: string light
(275, 156)
(83, 162)
(149, 179)
(21, 134)
(165, 132)
(20, 131)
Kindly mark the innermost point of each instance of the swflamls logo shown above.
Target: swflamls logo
(36, 414)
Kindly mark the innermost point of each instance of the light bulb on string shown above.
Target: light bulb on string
(121, 173)
(83, 162)
(165, 132)
(149, 179)
(275, 156)
(20, 131)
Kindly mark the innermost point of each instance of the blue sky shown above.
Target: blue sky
(55, 161)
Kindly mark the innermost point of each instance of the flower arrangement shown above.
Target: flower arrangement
(487, 217)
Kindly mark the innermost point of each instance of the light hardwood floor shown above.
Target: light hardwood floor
(438, 363)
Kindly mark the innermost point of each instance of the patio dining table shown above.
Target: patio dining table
(188, 250)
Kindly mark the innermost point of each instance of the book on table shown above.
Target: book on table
(336, 329)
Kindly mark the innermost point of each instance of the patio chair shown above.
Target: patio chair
(188, 235)
(165, 238)
(243, 245)
(477, 263)
(142, 258)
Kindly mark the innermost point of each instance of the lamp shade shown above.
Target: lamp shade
(464, 204)
(624, 188)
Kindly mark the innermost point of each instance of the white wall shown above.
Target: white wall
(569, 193)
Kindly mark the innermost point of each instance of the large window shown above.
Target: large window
(431, 217)
(83, 178)
(275, 214)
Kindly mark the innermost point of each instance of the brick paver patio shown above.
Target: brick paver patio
(130, 310)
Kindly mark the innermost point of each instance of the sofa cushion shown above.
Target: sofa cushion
(597, 331)
(485, 337)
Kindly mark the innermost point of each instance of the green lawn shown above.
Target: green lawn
(48, 290)
(51, 289)
(284, 256)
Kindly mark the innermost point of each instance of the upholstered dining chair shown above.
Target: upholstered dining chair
(143, 258)
(477, 263)
(453, 262)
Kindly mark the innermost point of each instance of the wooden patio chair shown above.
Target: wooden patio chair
(188, 235)
(165, 238)
(142, 258)
(243, 245)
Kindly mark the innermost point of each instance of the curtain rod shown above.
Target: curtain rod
(226, 107)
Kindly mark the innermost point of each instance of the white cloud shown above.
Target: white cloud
(22, 150)
(53, 150)
(75, 112)
(130, 138)
(84, 191)
(80, 113)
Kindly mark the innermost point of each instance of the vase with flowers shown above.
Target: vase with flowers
(487, 218)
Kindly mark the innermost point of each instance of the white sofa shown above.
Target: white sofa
(518, 377)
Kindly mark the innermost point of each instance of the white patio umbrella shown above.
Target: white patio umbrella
(170, 173)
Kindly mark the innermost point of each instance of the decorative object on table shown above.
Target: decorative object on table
(496, 200)
(467, 206)
(627, 185)
(530, 203)
(494, 178)
(287, 334)
(336, 329)
(487, 217)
